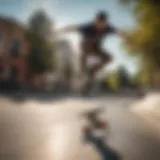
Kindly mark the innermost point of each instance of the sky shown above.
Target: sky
(66, 12)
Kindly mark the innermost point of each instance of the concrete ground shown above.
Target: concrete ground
(34, 129)
(149, 108)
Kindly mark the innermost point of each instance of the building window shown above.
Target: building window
(1, 68)
(1, 43)
(15, 52)
(11, 73)
(6, 73)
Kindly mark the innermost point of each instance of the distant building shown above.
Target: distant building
(14, 48)
(68, 63)
(13, 51)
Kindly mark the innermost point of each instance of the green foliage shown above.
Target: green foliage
(41, 55)
(146, 36)
(40, 24)
(142, 78)
(118, 79)
(112, 81)
(40, 58)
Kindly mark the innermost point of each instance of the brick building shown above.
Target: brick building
(13, 51)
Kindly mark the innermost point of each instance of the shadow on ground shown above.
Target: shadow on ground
(23, 95)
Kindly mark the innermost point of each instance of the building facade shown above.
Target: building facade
(13, 51)
(68, 66)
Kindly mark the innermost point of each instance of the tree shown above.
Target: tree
(112, 81)
(40, 24)
(41, 55)
(124, 77)
(146, 36)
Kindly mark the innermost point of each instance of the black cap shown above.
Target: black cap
(102, 15)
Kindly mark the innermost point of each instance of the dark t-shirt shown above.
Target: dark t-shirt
(89, 32)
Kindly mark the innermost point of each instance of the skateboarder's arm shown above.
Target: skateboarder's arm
(122, 34)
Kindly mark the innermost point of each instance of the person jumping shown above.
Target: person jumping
(93, 34)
